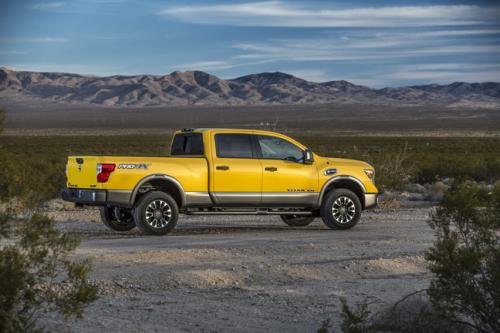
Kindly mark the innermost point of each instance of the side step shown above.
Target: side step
(247, 212)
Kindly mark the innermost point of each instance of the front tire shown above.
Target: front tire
(341, 209)
(116, 218)
(297, 220)
(156, 213)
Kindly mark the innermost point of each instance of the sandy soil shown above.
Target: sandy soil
(245, 274)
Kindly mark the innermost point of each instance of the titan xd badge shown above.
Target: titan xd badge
(141, 166)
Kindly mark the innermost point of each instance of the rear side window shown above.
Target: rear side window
(189, 144)
(233, 145)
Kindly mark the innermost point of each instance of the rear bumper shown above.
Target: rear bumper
(371, 200)
(93, 197)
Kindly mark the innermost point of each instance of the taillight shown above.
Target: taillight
(104, 171)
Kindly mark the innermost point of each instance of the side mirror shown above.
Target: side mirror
(308, 156)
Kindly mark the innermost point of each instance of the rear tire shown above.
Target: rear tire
(297, 220)
(156, 213)
(116, 218)
(341, 209)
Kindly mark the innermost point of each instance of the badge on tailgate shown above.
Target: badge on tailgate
(142, 166)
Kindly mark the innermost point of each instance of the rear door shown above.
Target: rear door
(236, 170)
(286, 180)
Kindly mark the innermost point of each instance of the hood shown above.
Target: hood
(348, 163)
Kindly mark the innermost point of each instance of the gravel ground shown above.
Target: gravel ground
(245, 274)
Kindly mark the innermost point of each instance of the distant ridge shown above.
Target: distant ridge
(200, 88)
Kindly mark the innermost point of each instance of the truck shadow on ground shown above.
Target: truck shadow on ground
(93, 230)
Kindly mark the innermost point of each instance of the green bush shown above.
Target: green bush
(464, 293)
(37, 274)
(465, 257)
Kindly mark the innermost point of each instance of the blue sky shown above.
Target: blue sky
(375, 43)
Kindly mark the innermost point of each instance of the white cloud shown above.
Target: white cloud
(319, 15)
(338, 49)
(48, 5)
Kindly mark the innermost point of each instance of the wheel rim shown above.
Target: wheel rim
(343, 210)
(158, 214)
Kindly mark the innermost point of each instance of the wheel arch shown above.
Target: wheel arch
(347, 182)
(161, 182)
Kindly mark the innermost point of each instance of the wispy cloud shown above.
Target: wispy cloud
(13, 52)
(34, 40)
(48, 5)
(215, 65)
(84, 69)
(371, 46)
(321, 15)
(441, 73)
(317, 51)
(206, 65)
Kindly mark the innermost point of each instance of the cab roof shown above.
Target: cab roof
(242, 131)
(238, 130)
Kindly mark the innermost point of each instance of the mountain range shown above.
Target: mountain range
(200, 88)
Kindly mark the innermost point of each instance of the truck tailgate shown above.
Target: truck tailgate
(82, 172)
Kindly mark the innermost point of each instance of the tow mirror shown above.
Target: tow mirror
(308, 156)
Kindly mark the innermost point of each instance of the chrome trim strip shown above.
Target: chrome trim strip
(337, 178)
(198, 199)
(265, 198)
(370, 200)
(158, 176)
(248, 212)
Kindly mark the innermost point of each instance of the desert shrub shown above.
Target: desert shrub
(465, 257)
(37, 274)
(413, 314)
(460, 167)
(393, 170)
(464, 293)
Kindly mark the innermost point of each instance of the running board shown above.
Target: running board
(258, 212)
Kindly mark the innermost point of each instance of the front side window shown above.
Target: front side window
(279, 149)
(188, 144)
(233, 145)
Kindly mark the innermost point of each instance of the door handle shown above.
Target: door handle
(271, 169)
(222, 167)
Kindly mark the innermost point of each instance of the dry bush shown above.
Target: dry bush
(37, 274)
(465, 257)
(464, 293)
(413, 314)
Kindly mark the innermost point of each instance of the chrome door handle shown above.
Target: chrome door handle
(271, 169)
(222, 167)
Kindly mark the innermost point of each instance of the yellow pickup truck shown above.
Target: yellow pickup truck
(222, 171)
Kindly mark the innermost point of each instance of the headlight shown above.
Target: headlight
(370, 173)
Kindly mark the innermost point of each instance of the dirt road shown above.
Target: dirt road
(248, 274)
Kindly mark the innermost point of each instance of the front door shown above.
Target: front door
(236, 171)
(286, 180)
